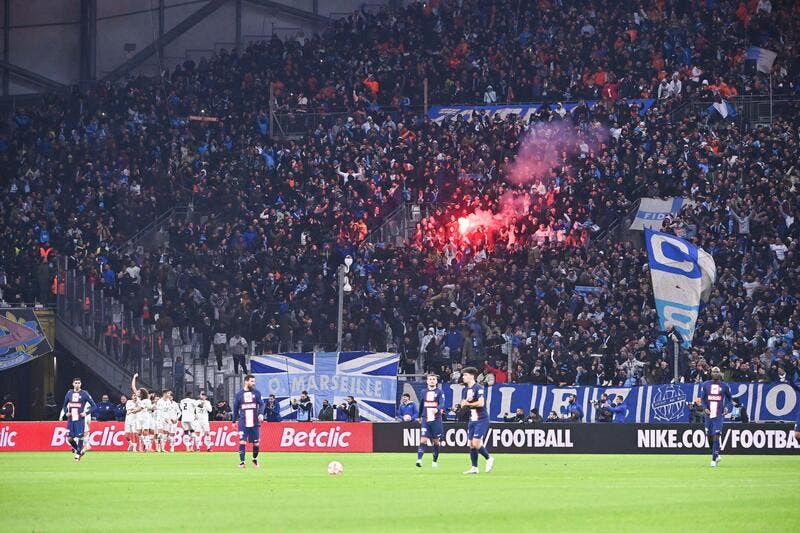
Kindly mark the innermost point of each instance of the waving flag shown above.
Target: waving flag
(724, 108)
(653, 211)
(682, 276)
(764, 58)
(371, 378)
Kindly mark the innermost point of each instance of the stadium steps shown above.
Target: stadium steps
(114, 375)
(217, 383)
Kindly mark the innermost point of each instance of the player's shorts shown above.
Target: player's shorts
(145, 423)
(201, 426)
(76, 427)
(713, 425)
(131, 424)
(477, 429)
(249, 434)
(187, 425)
(432, 430)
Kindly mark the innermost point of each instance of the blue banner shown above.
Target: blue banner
(653, 211)
(763, 402)
(522, 111)
(371, 378)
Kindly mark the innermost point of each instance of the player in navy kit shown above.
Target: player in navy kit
(75, 410)
(478, 419)
(431, 407)
(247, 408)
(715, 394)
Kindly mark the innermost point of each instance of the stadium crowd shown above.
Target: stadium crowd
(254, 266)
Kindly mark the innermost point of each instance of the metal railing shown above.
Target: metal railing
(394, 230)
(178, 358)
(153, 235)
(750, 109)
(398, 227)
(297, 123)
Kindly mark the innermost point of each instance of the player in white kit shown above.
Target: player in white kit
(202, 431)
(145, 422)
(188, 405)
(131, 421)
(162, 407)
(172, 420)
(87, 417)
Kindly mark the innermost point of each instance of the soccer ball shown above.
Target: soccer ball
(335, 468)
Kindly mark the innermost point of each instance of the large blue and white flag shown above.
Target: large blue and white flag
(682, 276)
(764, 58)
(371, 378)
(724, 108)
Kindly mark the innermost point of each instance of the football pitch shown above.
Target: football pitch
(110, 491)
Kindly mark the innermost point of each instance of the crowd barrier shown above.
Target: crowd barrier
(771, 438)
(669, 403)
(598, 438)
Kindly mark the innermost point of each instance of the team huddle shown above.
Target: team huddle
(153, 419)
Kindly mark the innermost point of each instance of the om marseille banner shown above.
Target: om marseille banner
(21, 338)
(522, 111)
(682, 275)
(653, 211)
(371, 378)
(764, 402)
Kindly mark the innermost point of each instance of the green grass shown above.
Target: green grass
(385, 492)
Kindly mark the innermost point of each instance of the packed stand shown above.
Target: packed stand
(254, 270)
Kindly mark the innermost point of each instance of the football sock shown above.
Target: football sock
(715, 447)
(79, 444)
(482, 450)
(420, 451)
(435, 452)
(473, 456)
(241, 453)
(255, 451)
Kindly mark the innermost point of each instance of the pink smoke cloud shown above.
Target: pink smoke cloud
(547, 146)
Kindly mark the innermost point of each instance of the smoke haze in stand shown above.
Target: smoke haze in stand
(544, 148)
